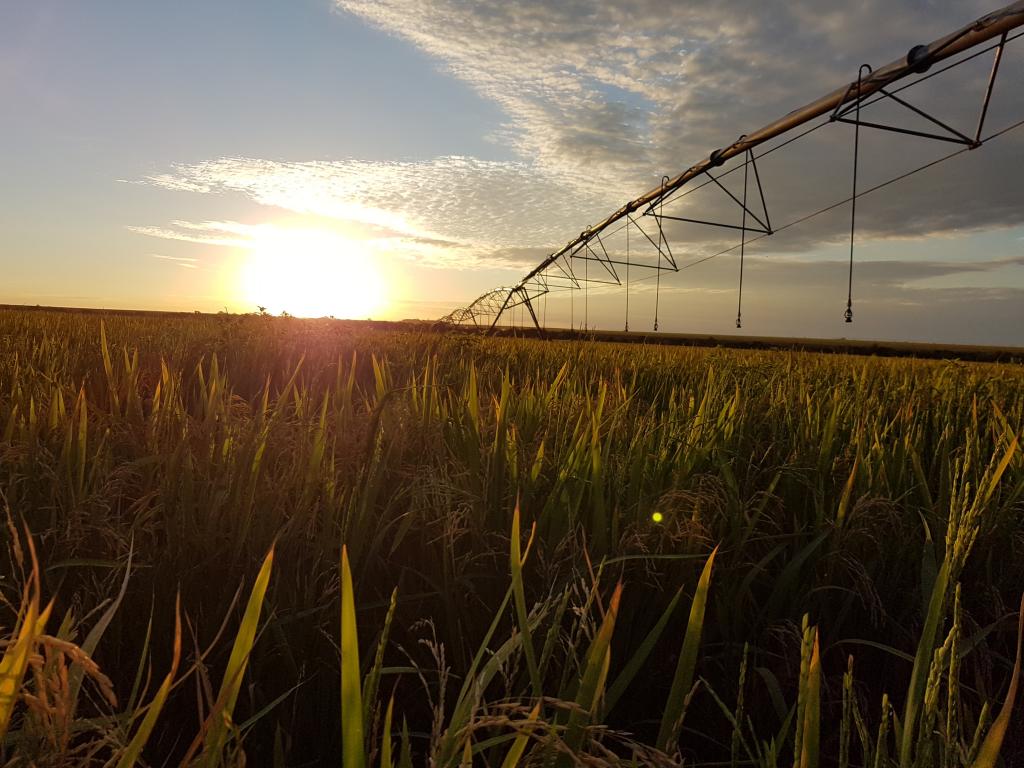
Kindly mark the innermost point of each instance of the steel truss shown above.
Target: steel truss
(485, 310)
(561, 270)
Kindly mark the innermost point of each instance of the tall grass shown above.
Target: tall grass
(156, 456)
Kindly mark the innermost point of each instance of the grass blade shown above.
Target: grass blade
(33, 623)
(15, 660)
(634, 665)
(92, 640)
(811, 731)
(385, 747)
(134, 749)
(922, 662)
(993, 743)
(372, 681)
(352, 748)
(683, 680)
(405, 753)
(594, 674)
(220, 718)
(517, 558)
(515, 752)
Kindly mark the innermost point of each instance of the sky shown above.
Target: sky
(396, 158)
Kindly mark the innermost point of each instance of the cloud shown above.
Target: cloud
(445, 211)
(603, 99)
(433, 252)
(181, 261)
(221, 233)
(613, 95)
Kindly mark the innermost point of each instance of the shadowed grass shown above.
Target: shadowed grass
(177, 451)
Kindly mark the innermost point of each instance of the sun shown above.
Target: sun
(311, 273)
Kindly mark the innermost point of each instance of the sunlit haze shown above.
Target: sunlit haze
(310, 273)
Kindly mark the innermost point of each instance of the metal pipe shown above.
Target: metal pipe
(917, 60)
(988, 89)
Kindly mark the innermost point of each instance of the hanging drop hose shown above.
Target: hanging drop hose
(586, 290)
(743, 243)
(627, 275)
(661, 240)
(853, 199)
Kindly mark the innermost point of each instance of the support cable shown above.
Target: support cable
(988, 90)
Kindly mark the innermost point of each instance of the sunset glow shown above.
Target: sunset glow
(310, 273)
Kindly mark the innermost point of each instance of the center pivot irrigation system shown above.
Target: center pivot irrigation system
(568, 269)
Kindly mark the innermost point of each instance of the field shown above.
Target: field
(241, 539)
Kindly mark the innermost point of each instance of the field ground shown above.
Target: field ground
(969, 352)
(722, 556)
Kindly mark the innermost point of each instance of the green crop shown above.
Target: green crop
(551, 552)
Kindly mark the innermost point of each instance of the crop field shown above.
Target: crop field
(269, 541)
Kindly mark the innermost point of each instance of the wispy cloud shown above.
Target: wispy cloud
(181, 261)
(226, 233)
(430, 251)
(448, 210)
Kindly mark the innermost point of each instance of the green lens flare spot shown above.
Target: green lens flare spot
(657, 517)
